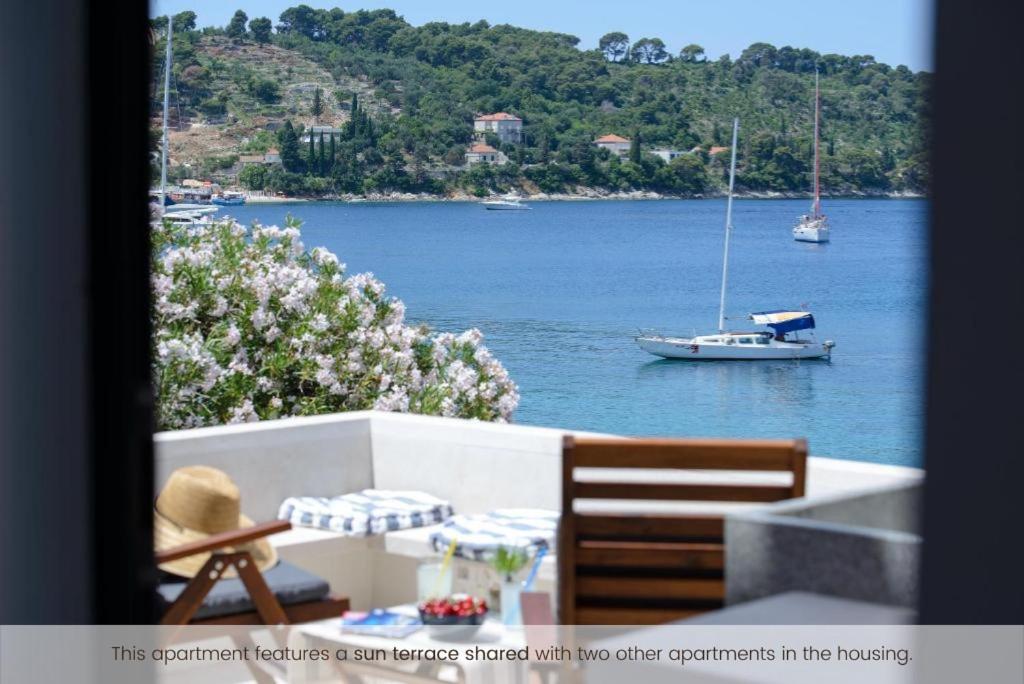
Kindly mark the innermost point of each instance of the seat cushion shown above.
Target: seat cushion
(479, 536)
(371, 511)
(289, 583)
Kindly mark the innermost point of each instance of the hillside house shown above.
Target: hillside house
(481, 152)
(616, 144)
(507, 127)
(326, 131)
(272, 156)
(666, 154)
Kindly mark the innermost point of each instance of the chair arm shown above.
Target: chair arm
(219, 541)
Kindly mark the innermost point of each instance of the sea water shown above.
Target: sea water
(561, 290)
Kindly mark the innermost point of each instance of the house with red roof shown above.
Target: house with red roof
(508, 127)
(615, 144)
(481, 152)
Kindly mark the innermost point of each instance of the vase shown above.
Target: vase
(510, 590)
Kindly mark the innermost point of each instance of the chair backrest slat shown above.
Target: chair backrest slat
(697, 454)
(682, 492)
(650, 567)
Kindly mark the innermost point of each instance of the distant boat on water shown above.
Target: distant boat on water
(507, 203)
(814, 227)
(229, 198)
(739, 346)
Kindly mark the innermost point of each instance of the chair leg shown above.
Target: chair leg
(186, 605)
(266, 603)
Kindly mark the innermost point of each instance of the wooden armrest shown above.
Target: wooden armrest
(219, 541)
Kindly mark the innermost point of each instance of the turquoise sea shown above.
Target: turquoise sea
(560, 291)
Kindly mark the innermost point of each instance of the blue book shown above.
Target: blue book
(382, 623)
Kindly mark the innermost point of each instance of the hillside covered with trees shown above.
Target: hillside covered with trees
(405, 97)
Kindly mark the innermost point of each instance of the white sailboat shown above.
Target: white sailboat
(736, 346)
(814, 227)
(186, 214)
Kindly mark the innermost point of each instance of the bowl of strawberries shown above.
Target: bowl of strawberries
(458, 616)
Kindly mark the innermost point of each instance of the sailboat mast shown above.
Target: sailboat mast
(167, 89)
(728, 225)
(817, 168)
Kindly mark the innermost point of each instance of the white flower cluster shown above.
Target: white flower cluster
(249, 326)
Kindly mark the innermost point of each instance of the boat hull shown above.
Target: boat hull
(690, 350)
(811, 231)
(492, 207)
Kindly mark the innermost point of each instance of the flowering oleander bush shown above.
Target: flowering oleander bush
(249, 326)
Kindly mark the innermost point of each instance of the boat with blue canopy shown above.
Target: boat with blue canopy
(738, 346)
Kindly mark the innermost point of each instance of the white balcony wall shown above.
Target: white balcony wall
(477, 466)
(270, 461)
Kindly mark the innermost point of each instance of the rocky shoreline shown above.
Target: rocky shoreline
(582, 195)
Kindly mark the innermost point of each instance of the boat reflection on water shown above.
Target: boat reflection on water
(781, 388)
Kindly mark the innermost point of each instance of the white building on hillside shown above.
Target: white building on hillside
(507, 127)
(666, 154)
(326, 131)
(614, 143)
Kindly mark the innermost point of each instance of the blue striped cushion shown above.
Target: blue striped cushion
(478, 536)
(371, 511)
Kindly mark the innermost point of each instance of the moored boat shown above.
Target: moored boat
(508, 203)
(230, 198)
(742, 346)
(814, 227)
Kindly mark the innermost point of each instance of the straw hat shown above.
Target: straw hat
(197, 502)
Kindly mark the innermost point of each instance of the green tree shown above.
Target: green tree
(311, 155)
(317, 109)
(288, 146)
(649, 51)
(253, 177)
(236, 27)
(635, 151)
(692, 53)
(322, 165)
(184, 21)
(614, 45)
(684, 175)
(260, 28)
(266, 90)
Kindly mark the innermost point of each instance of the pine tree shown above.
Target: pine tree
(323, 151)
(334, 154)
(288, 142)
(318, 106)
(311, 158)
(634, 148)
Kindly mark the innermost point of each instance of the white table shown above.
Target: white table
(329, 634)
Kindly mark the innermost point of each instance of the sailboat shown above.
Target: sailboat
(162, 207)
(813, 227)
(736, 346)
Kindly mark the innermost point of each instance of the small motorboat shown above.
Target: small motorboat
(507, 203)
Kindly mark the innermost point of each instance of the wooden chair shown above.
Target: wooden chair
(266, 608)
(628, 568)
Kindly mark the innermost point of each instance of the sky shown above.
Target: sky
(893, 31)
